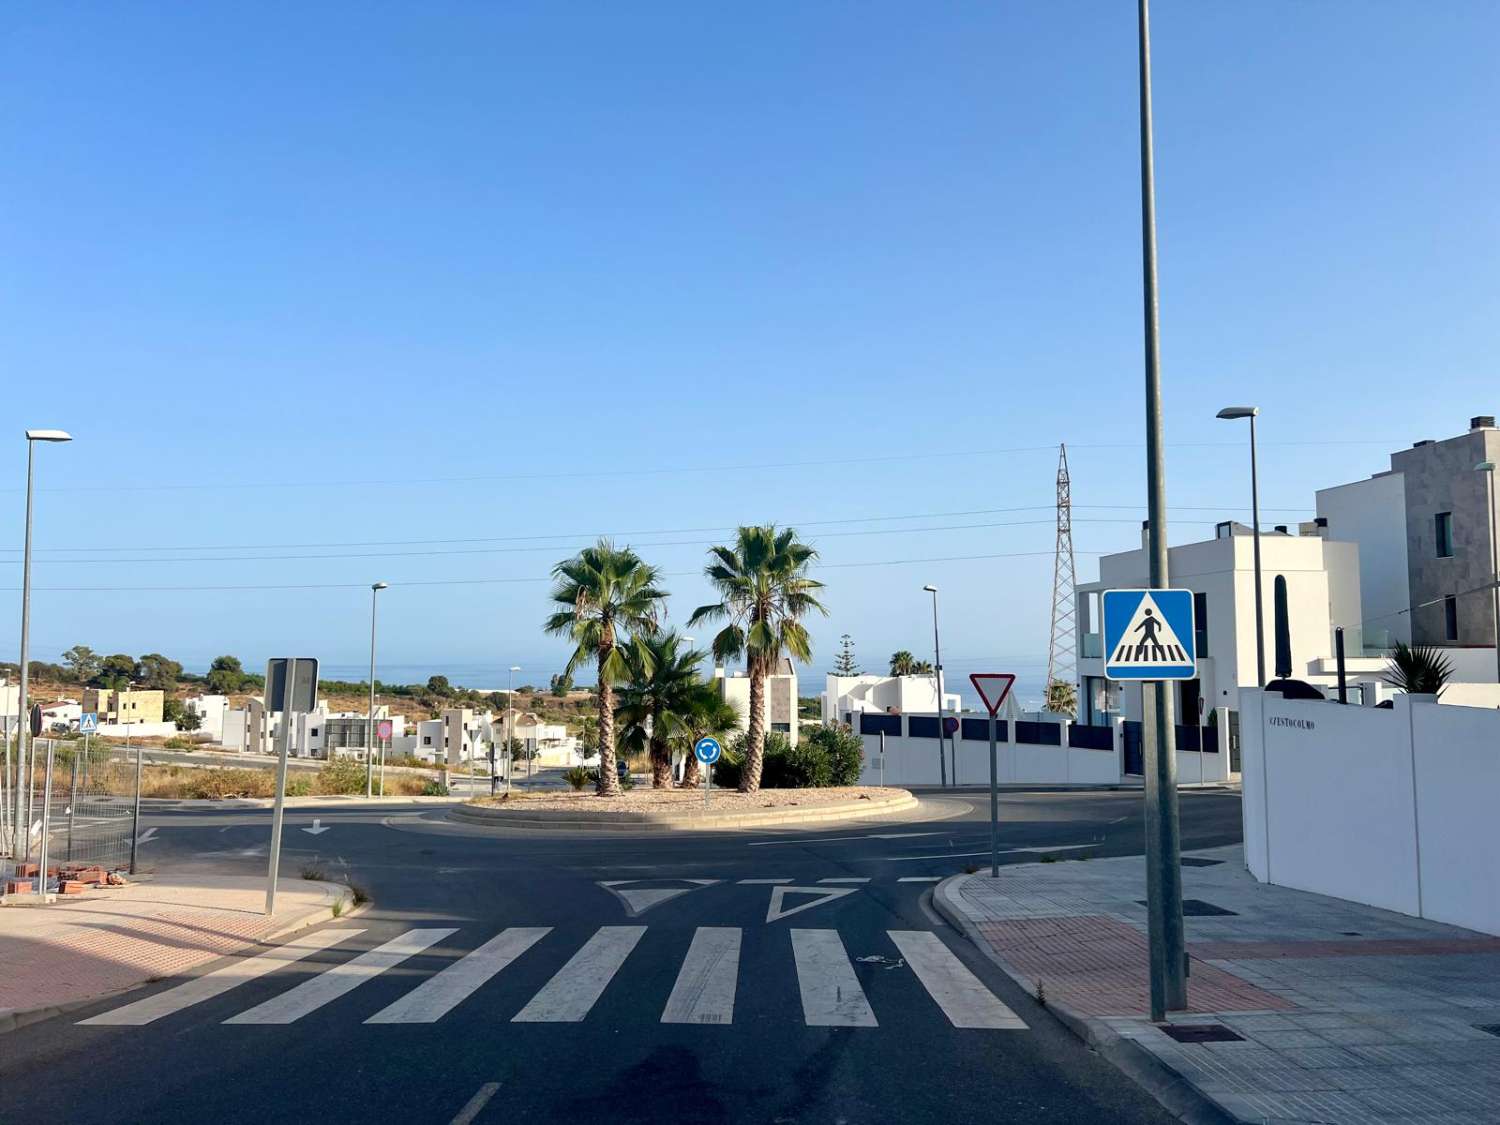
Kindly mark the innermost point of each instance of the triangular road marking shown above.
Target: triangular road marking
(821, 895)
(638, 900)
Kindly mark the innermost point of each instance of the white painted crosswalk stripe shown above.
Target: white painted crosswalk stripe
(964, 1000)
(328, 986)
(569, 995)
(438, 995)
(831, 994)
(219, 981)
(704, 992)
(845, 880)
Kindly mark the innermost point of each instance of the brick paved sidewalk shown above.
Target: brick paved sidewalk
(76, 950)
(1340, 1013)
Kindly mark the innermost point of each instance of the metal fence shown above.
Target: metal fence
(77, 808)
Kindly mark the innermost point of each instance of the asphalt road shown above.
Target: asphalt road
(849, 1005)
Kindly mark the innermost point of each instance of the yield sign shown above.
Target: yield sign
(992, 687)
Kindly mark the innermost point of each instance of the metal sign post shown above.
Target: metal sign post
(291, 688)
(707, 751)
(135, 815)
(46, 824)
(993, 688)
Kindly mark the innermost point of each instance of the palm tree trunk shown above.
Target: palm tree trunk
(609, 781)
(691, 778)
(661, 764)
(755, 735)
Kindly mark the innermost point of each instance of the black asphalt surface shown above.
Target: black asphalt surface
(619, 1063)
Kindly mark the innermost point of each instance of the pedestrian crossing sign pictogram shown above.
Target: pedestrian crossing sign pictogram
(1148, 635)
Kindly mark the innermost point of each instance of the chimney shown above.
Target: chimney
(1146, 535)
(1281, 527)
(1223, 529)
(1482, 422)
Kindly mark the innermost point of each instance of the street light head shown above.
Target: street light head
(1238, 412)
(380, 585)
(1485, 467)
(930, 589)
(48, 435)
(515, 667)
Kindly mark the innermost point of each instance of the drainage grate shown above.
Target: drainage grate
(1199, 861)
(1202, 1033)
(1197, 908)
(1489, 1028)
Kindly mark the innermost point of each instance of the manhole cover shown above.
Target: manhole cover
(1202, 1033)
(1199, 861)
(1197, 908)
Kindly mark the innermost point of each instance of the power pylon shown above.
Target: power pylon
(1062, 652)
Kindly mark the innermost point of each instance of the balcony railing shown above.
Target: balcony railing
(1093, 646)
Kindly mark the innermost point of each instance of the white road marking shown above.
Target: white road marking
(845, 880)
(774, 911)
(842, 839)
(964, 999)
(1054, 848)
(762, 882)
(569, 995)
(831, 995)
(920, 879)
(704, 992)
(638, 900)
(940, 855)
(438, 995)
(311, 995)
(144, 838)
(476, 1103)
(217, 982)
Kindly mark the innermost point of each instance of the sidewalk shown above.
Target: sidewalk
(1306, 1008)
(74, 951)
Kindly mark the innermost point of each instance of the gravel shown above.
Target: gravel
(671, 800)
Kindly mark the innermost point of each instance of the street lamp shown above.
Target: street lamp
(1232, 413)
(510, 725)
(375, 588)
(32, 437)
(937, 656)
(1488, 469)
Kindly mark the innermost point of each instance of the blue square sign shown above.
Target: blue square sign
(1148, 635)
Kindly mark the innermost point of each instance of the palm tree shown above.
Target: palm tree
(922, 668)
(656, 698)
(764, 593)
(709, 715)
(903, 663)
(1062, 698)
(608, 594)
(1418, 669)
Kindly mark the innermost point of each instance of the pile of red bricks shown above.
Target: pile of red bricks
(72, 879)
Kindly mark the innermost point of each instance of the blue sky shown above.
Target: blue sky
(300, 277)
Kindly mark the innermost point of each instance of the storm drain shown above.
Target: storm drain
(1197, 908)
(1202, 1033)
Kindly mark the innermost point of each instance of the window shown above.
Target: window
(427, 740)
(313, 733)
(1200, 622)
(1444, 524)
(1450, 617)
(785, 728)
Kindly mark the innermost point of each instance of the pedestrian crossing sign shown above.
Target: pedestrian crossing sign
(88, 722)
(1148, 635)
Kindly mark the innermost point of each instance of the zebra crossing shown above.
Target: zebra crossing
(704, 992)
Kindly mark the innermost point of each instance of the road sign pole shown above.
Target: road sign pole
(280, 808)
(708, 785)
(72, 805)
(135, 816)
(994, 801)
(1163, 873)
(46, 822)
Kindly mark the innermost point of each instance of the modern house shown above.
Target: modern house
(781, 698)
(130, 706)
(847, 696)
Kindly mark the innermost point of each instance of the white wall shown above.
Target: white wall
(1372, 513)
(1393, 808)
(914, 761)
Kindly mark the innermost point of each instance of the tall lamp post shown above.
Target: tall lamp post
(1231, 413)
(937, 657)
(375, 588)
(510, 723)
(18, 825)
(1488, 469)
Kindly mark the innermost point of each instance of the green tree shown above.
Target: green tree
(439, 686)
(606, 594)
(764, 593)
(188, 720)
(561, 685)
(83, 663)
(922, 668)
(709, 715)
(225, 675)
(116, 671)
(903, 663)
(1062, 698)
(844, 663)
(656, 698)
(155, 671)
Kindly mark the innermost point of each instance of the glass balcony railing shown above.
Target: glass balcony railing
(1093, 646)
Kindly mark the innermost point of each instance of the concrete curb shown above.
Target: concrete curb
(547, 821)
(13, 1019)
(1177, 1096)
(291, 802)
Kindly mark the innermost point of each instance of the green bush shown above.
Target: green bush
(342, 776)
(432, 787)
(844, 749)
(299, 786)
(828, 755)
(579, 776)
(177, 742)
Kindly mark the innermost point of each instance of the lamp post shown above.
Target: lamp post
(375, 588)
(1235, 412)
(937, 657)
(1488, 469)
(19, 825)
(510, 723)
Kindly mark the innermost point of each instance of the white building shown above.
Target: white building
(61, 714)
(210, 710)
(459, 736)
(781, 698)
(847, 696)
(550, 742)
(1309, 583)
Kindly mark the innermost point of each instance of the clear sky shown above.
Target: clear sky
(438, 291)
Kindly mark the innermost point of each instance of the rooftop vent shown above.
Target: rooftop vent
(1281, 527)
(1420, 444)
(1321, 521)
(1482, 422)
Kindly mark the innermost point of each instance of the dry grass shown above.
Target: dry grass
(188, 783)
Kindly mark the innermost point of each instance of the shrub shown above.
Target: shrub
(845, 751)
(579, 776)
(177, 742)
(299, 786)
(803, 766)
(341, 776)
(218, 784)
(432, 787)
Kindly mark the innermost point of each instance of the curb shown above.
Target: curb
(1176, 1094)
(543, 821)
(14, 1019)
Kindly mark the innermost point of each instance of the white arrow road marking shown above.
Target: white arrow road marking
(146, 836)
(638, 900)
(318, 826)
(821, 895)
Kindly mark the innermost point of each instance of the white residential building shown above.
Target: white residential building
(550, 742)
(847, 696)
(210, 710)
(457, 737)
(781, 698)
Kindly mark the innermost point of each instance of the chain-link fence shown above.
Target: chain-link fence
(71, 806)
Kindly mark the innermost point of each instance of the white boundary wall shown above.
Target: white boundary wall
(914, 761)
(1391, 808)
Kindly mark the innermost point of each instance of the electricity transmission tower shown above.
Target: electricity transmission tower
(1062, 655)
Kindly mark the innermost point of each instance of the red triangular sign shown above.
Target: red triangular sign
(992, 687)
